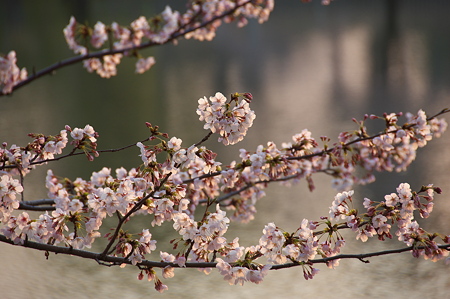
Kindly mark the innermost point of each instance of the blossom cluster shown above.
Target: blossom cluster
(42, 148)
(237, 275)
(177, 184)
(9, 189)
(10, 73)
(303, 245)
(397, 208)
(200, 21)
(231, 124)
(206, 17)
(352, 160)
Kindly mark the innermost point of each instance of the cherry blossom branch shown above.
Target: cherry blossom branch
(113, 260)
(73, 153)
(322, 152)
(181, 32)
(248, 186)
(360, 256)
(360, 139)
(133, 210)
(30, 205)
(174, 188)
(36, 205)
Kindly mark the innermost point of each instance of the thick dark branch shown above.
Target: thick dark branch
(36, 205)
(100, 257)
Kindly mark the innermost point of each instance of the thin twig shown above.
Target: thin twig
(72, 153)
(204, 139)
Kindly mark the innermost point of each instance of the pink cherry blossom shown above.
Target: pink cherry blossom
(144, 64)
(99, 36)
(10, 74)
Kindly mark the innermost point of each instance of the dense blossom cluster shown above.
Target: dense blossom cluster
(10, 73)
(230, 123)
(397, 208)
(190, 179)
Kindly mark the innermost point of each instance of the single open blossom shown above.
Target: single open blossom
(135, 258)
(168, 272)
(77, 134)
(160, 287)
(147, 155)
(167, 257)
(379, 221)
(391, 199)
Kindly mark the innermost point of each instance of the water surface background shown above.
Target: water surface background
(310, 66)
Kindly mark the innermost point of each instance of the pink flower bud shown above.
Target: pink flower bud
(437, 190)
(248, 97)
(141, 276)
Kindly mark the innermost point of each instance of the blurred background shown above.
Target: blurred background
(310, 66)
